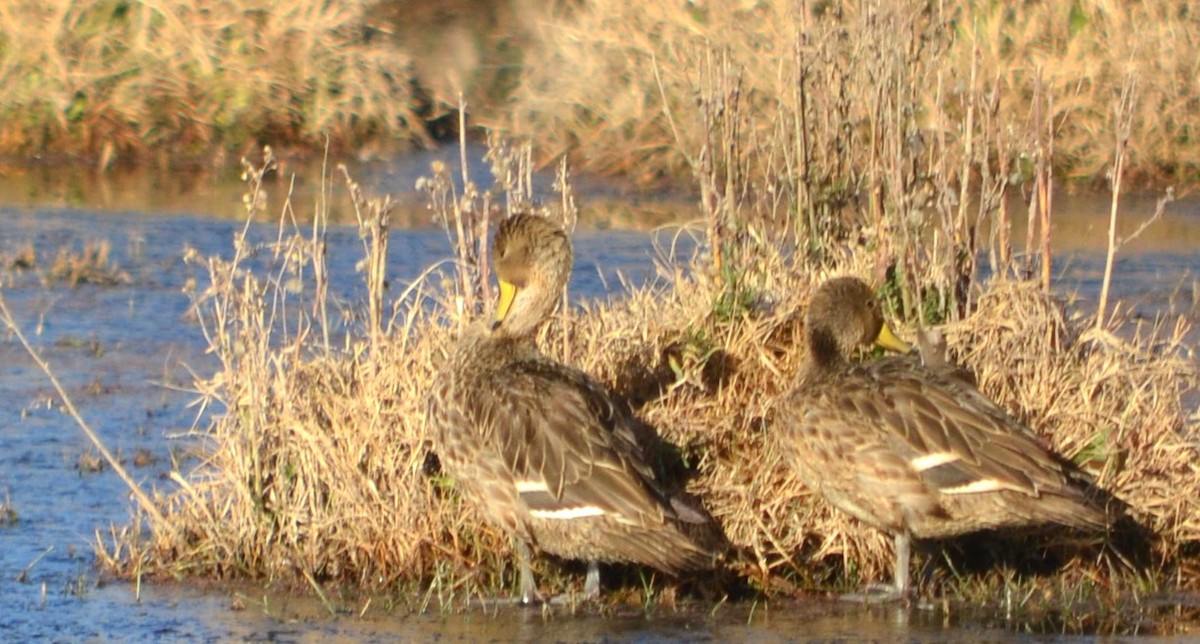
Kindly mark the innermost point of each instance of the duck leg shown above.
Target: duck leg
(529, 592)
(898, 589)
(903, 544)
(591, 584)
(591, 588)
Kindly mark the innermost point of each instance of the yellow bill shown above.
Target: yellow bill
(508, 292)
(888, 340)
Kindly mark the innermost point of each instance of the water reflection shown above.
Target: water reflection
(177, 611)
(216, 193)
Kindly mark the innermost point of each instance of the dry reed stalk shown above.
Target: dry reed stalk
(463, 235)
(1124, 108)
(373, 220)
(994, 183)
(639, 51)
(569, 213)
(1042, 128)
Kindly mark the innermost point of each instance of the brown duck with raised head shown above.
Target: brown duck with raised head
(914, 450)
(538, 447)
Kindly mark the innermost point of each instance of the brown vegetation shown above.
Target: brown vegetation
(320, 468)
(22, 258)
(188, 79)
(91, 265)
(605, 78)
(609, 82)
(8, 514)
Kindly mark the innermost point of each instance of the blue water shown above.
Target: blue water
(127, 354)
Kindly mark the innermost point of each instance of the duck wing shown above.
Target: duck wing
(571, 451)
(960, 441)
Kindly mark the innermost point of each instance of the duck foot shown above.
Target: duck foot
(875, 594)
(898, 589)
(530, 597)
(591, 589)
(508, 602)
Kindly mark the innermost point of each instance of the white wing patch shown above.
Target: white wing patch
(581, 512)
(531, 486)
(976, 487)
(930, 461)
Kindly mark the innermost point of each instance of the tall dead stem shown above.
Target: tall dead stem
(1041, 200)
(718, 159)
(373, 217)
(1123, 117)
(570, 217)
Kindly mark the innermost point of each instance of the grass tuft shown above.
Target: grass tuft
(116, 81)
(91, 265)
(320, 469)
(8, 513)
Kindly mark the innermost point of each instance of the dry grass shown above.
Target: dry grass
(320, 468)
(90, 265)
(1112, 405)
(811, 129)
(604, 73)
(612, 82)
(22, 258)
(8, 513)
(71, 265)
(320, 471)
(120, 81)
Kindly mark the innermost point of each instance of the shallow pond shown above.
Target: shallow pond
(126, 354)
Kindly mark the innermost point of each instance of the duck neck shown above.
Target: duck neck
(823, 348)
(532, 308)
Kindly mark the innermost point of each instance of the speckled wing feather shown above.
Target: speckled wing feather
(913, 428)
(842, 448)
(959, 440)
(557, 428)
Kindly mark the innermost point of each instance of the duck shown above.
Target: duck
(540, 449)
(911, 448)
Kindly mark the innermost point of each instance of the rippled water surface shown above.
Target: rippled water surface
(126, 354)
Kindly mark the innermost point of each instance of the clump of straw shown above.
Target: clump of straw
(319, 468)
